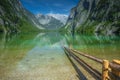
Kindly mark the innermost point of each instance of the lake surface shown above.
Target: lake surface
(39, 56)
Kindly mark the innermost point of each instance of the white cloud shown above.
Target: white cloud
(62, 17)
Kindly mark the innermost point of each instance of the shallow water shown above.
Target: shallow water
(103, 47)
(33, 56)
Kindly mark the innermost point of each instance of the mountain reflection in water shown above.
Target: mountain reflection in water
(40, 56)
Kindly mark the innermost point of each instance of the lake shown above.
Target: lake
(40, 56)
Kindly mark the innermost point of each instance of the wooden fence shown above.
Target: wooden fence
(110, 70)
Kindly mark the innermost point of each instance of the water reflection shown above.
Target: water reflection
(35, 56)
(48, 39)
(40, 55)
(104, 47)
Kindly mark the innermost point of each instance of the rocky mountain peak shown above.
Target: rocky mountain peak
(49, 22)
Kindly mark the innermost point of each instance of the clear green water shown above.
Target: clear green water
(39, 56)
(104, 47)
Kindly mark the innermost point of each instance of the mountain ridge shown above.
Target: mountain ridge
(15, 18)
(49, 22)
(95, 16)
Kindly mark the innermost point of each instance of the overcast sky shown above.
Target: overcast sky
(49, 6)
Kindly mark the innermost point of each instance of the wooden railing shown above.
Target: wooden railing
(110, 70)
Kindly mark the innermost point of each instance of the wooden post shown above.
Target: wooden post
(105, 69)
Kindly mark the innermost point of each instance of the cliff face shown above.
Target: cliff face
(101, 16)
(15, 18)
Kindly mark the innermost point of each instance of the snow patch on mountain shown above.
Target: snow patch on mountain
(49, 22)
(62, 17)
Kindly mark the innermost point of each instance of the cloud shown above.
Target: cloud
(62, 17)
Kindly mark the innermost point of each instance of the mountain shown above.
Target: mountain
(61, 17)
(49, 22)
(95, 16)
(15, 18)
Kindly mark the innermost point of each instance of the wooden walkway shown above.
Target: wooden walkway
(110, 70)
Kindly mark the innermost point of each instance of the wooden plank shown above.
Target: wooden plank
(115, 67)
(87, 67)
(88, 56)
(80, 75)
(116, 61)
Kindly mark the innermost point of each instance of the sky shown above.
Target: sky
(49, 6)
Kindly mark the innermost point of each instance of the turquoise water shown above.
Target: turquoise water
(39, 56)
